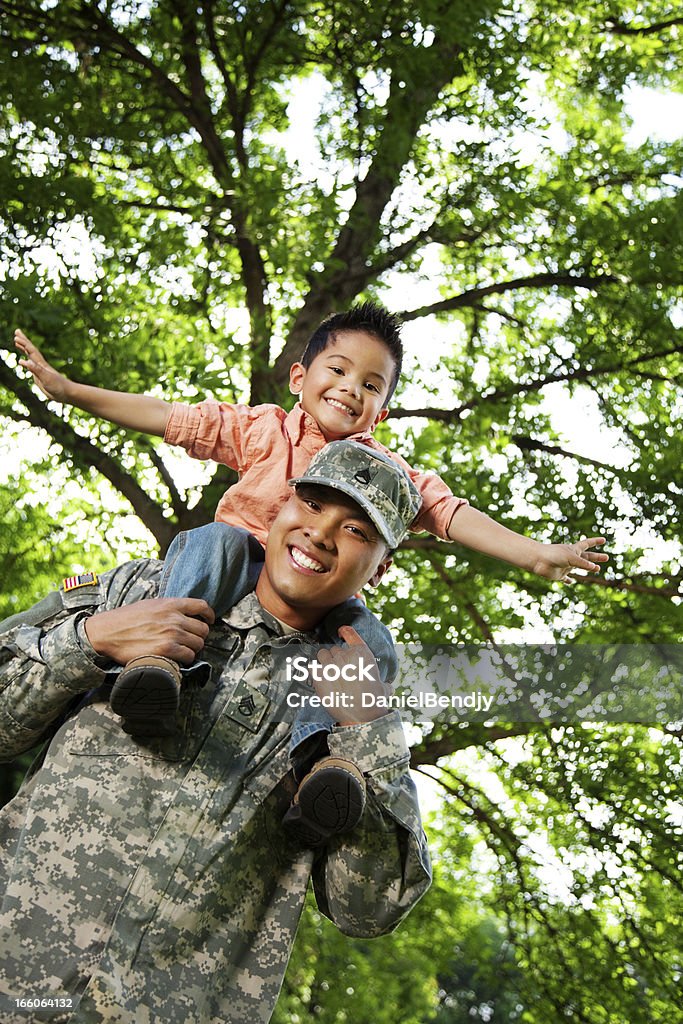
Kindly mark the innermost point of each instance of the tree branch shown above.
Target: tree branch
(407, 106)
(620, 28)
(486, 812)
(456, 737)
(529, 444)
(254, 275)
(253, 267)
(387, 260)
(89, 454)
(587, 372)
(94, 26)
(194, 107)
(162, 207)
(186, 13)
(269, 36)
(504, 315)
(634, 588)
(177, 502)
(474, 296)
(214, 46)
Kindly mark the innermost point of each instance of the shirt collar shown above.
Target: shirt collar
(300, 424)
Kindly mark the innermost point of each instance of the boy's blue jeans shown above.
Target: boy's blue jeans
(221, 564)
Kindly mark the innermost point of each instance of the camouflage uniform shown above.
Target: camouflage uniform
(154, 883)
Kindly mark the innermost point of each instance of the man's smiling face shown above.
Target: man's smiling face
(321, 550)
(346, 386)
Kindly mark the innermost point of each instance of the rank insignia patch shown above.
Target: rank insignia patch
(247, 706)
(85, 579)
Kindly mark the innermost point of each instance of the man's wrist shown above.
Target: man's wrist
(96, 638)
(365, 721)
(83, 639)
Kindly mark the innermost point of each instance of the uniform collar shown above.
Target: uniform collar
(249, 613)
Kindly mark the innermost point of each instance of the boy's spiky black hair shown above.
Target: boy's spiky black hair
(369, 317)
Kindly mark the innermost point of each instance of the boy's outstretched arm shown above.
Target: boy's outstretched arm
(553, 561)
(137, 412)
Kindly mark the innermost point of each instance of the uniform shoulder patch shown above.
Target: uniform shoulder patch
(84, 579)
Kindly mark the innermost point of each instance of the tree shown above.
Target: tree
(160, 232)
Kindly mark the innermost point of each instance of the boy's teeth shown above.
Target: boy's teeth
(339, 405)
(305, 562)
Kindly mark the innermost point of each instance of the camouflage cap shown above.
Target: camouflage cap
(379, 485)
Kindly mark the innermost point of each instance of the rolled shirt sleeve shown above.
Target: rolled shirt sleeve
(214, 430)
(439, 504)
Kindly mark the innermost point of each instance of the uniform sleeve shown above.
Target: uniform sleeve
(216, 430)
(368, 880)
(46, 660)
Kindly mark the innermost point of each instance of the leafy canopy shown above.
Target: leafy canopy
(164, 229)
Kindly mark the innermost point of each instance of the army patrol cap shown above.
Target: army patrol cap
(383, 490)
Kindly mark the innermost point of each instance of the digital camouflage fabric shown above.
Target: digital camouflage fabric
(149, 883)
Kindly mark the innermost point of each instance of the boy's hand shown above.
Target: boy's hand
(53, 384)
(365, 679)
(557, 561)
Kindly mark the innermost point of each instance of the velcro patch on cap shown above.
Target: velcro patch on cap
(84, 579)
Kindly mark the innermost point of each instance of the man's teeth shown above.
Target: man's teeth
(341, 406)
(305, 562)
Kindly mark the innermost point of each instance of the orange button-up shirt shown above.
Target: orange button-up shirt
(268, 446)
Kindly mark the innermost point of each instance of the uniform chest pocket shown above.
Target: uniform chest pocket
(96, 732)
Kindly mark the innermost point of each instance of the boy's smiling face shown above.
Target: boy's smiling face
(346, 386)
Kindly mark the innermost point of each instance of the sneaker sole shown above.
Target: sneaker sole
(330, 801)
(144, 693)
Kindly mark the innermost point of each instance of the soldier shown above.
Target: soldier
(345, 380)
(151, 879)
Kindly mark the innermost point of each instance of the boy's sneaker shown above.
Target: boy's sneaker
(146, 694)
(330, 800)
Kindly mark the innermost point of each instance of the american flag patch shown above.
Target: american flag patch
(85, 579)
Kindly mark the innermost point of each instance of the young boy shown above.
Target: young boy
(345, 379)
